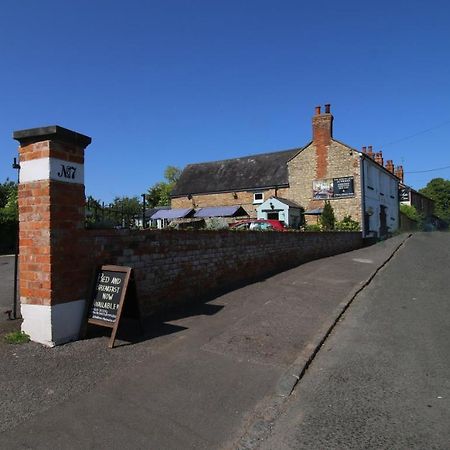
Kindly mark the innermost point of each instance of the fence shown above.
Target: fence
(100, 216)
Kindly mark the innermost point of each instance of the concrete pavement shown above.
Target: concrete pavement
(201, 379)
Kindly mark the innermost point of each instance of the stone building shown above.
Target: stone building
(355, 182)
(423, 204)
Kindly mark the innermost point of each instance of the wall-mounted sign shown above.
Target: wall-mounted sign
(111, 296)
(323, 189)
(333, 188)
(343, 187)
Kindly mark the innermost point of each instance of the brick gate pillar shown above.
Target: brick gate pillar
(51, 215)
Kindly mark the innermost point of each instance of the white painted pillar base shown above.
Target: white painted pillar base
(53, 325)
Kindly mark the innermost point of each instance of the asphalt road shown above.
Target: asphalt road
(6, 284)
(381, 380)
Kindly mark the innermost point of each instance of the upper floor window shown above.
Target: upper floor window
(258, 197)
(371, 176)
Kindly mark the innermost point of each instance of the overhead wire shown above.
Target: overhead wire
(430, 170)
(440, 125)
(416, 134)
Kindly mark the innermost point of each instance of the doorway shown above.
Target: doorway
(383, 223)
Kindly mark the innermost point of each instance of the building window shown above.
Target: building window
(370, 177)
(258, 197)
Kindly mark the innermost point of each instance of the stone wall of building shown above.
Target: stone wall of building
(309, 165)
(241, 198)
(176, 267)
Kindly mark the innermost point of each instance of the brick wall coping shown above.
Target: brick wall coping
(52, 132)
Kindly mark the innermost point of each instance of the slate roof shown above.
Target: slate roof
(238, 174)
(149, 212)
(176, 213)
(290, 203)
(314, 212)
(221, 211)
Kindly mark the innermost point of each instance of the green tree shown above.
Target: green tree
(438, 190)
(9, 216)
(327, 219)
(9, 211)
(5, 190)
(127, 205)
(93, 211)
(91, 202)
(159, 193)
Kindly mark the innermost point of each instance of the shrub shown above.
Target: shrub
(313, 227)
(327, 219)
(412, 213)
(347, 224)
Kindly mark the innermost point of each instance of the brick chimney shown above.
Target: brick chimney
(322, 134)
(389, 165)
(399, 173)
(379, 158)
(370, 152)
(323, 125)
(364, 150)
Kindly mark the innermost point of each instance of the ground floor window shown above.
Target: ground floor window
(272, 216)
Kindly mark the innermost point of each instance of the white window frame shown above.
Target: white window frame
(258, 201)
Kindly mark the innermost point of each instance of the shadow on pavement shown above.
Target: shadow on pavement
(129, 331)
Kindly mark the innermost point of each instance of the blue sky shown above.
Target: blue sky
(158, 83)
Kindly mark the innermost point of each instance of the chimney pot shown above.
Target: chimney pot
(364, 149)
(327, 108)
(317, 110)
(379, 158)
(399, 173)
(390, 165)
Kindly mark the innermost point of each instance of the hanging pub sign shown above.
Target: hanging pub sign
(113, 295)
(330, 188)
(403, 195)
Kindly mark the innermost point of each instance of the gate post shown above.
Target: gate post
(51, 223)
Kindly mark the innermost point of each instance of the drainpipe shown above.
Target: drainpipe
(363, 196)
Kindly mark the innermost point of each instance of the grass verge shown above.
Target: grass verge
(16, 337)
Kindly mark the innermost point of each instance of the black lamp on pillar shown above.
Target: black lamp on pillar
(143, 211)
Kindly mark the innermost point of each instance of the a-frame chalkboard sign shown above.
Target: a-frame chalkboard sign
(113, 294)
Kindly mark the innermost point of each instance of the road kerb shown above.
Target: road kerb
(295, 372)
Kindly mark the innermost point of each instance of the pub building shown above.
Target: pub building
(286, 184)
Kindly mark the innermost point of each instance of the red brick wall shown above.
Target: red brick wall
(173, 267)
(35, 260)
